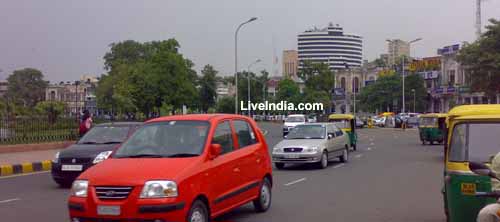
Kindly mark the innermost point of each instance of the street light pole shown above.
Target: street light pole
(248, 75)
(414, 99)
(236, 61)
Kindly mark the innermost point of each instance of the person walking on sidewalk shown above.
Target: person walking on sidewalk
(86, 123)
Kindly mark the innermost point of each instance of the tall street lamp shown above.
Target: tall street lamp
(403, 70)
(236, 61)
(248, 75)
(414, 99)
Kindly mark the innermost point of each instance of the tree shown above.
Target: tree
(225, 105)
(318, 76)
(482, 60)
(50, 108)
(26, 87)
(288, 91)
(208, 88)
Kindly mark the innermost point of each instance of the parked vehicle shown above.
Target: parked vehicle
(178, 168)
(432, 128)
(472, 137)
(292, 121)
(346, 123)
(316, 143)
(359, 123)
(489, 213)
(93, 148)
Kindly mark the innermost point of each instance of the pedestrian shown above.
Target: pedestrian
(86, 123)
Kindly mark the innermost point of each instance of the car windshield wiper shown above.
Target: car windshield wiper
(183, 155)
(142, 156)
(112, 142)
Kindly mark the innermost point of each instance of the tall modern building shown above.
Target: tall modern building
(290, 59)
(330, 45)
(397, 48)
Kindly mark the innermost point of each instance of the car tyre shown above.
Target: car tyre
(279, 166)
(198, 212)
(263, 202)
(323, 162)
(345, 156)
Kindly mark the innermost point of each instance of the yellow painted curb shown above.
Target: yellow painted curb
(27, 167)
(6, 170)
(46, 165)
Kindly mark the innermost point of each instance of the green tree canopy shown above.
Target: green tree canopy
(26, 87)
(225, 105)
(482, 60)
(208, 87)
(50, 108)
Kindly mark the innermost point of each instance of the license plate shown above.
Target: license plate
(468, 188)
(72, 168)
(108, 210)
(291, 156)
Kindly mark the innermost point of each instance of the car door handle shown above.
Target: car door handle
(236, 170)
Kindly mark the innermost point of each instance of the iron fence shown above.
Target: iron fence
(23, 130)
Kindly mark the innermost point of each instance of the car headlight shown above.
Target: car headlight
(102, 156)
(159, 189)
(276, 150)
(79, 188)
(313, 149)
(56, 158)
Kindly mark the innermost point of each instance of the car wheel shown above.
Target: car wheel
(263, 202)
(279, 166)
(345, 156)
(198, 212)
(323, 162)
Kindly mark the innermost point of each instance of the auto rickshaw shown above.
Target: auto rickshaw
(432, 128)
(472, 137)
(348, 125)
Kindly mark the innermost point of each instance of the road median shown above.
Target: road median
(27, 167)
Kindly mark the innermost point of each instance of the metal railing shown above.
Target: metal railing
(24, 130)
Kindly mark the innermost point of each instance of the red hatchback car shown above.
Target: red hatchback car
(178, 168)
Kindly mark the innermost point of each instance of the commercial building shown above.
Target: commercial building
(290, 63)
(4, 85)
(349, 82)
(330, 45)
(396, 48)
(78, 96)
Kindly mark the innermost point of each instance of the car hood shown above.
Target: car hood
(136, 171)
(86, 150)
(300, 143)
(292, 124)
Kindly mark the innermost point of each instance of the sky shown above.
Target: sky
(67, 38)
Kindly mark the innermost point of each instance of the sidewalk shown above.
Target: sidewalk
(27, 157)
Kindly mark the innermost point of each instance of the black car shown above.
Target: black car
(94, 147)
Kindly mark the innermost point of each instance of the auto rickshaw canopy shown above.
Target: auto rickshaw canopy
(341, 116)
(471, 112)
(434, 115)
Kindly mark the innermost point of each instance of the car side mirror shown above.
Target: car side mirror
(330, 136)
(481, 169)
(215, 150)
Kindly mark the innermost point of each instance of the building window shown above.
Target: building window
(451, 79)
(355, 84)
(485, 100)
(342, 83)
(475, 100)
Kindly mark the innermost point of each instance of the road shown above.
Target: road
(391, 177)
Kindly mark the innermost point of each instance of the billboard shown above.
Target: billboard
(447, 50)
(426, 64)
(429, 74)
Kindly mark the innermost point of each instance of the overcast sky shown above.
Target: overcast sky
(68, 38)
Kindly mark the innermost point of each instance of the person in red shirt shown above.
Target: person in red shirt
(86, 123)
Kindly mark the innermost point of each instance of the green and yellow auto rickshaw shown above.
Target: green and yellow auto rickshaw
(432, 128)
(473, 136)
(348, 124)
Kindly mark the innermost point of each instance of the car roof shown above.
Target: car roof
(473, 111)
(296, 115)
(121, 124)
(198, 117)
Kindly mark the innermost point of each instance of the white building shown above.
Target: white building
(330, 45)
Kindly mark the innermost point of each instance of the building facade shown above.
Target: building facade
(78, 96)
(395, 49)
(290, 63)
(348, 83)
(330, 45)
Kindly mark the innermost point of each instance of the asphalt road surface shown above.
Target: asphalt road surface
(391, 177)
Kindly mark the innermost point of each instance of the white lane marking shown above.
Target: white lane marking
(369, 148)
(371, 139)
(9, 200)
(295, 181)
(22, 175)
(338, 166)
(371, 144)
(358, 156)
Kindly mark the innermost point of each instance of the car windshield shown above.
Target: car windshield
(166, 139)
(105, 134)
(342, 123)
(307, 132)
(295, 119)
(426, 121)
(476, 142)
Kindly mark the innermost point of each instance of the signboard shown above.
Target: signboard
(386, 72)
(439, 90)
(464, 89)
(448, 90)
(338, 94)
(447, 50)
(429, 74)
(369, 82)
(426, 64)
